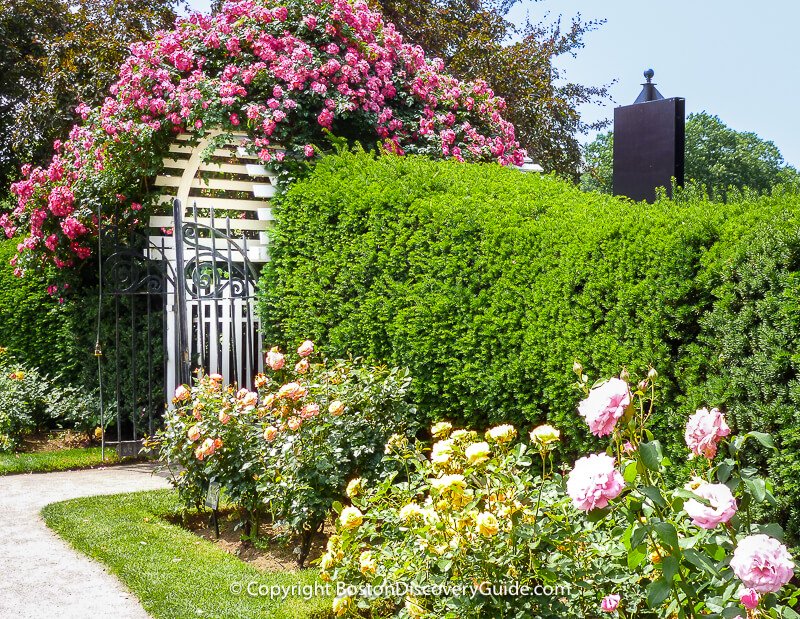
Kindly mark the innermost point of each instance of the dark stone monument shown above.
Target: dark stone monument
(649, 139)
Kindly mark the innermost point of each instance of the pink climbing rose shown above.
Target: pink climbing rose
(594, 481)
(604, 406)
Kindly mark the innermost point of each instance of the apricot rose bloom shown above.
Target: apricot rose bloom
(605, 405)
(762, 563)
(594, 481)
(275, 360)
(194, 433)
(704, 430)
(336, 408)
(182, 393)
(721, 510)
(306, 348)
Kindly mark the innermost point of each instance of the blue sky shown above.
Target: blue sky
(736, 59)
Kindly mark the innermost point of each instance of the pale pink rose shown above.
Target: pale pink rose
(306, 348)
(224, 417)
(610, 603)
(628, 447)
(604, 406)
(704, 430)
(294, 423)
(193, 434)
(749, 599)
(762, 563)
(301, 367)
(275, 360)
(182, 393)
(721, 510)
(594, 481)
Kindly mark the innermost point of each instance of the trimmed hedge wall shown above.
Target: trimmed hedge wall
(488, 283)
(33, 326)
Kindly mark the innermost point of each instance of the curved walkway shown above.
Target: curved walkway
(41, 576)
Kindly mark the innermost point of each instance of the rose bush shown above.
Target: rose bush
(443, 535)
(288, 448)
(287, 74)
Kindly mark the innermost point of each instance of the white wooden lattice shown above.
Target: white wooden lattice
(229, 193)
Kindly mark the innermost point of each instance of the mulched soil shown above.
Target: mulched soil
(53, 441)
(272, 553)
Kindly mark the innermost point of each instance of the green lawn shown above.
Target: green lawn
(174, 573)
(58, 460)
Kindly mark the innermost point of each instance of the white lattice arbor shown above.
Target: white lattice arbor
(216, 251)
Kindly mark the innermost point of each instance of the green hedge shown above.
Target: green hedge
(33, 326)
(488, 283)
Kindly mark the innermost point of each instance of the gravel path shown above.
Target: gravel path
(41, 576)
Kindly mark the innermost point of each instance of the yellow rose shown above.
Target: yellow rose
(326, 562)
(396, 443)
(351, 517)
(441, 452)
(487, 524)
(355, 487)
(477, 453)
(501, 434)
(544, 435)
(441, 429)
(449, 483)
(336, 408)
(341, 605)
(410, 512)
(367, 563)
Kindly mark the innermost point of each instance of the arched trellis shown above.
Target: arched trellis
(219, 238)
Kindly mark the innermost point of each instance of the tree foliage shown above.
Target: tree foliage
(476, 40)
(717, 157)
(56, 54)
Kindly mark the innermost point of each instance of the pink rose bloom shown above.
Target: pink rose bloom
(762, 563)
(604, 406)
(610, 603)
(306, 348)
(182, 393)
(594, 481)
(308, 150)
(301, 367)
(704, 430)
(275, 360)
(722, 508)
(224, 417)
(749, 599)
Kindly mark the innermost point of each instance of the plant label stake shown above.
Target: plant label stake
(212, 502)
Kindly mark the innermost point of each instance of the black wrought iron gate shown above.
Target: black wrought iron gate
(171, 305)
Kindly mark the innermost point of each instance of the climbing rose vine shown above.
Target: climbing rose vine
(285, 74)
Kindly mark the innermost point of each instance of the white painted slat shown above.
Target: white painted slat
(181, 148)
(219, 183)
(165, 221)
(256, 254)
(228, 168)
(264, 191)
(175, 164)
(218, 204)
(257, 170)
(168, 181)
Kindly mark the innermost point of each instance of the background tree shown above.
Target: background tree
(55, 54)
(476, 40)
(717, 157)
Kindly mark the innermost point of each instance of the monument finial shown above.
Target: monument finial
(649, 92)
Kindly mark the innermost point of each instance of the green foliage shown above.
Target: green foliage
(33, 326)
(718, 158)
(487, 284)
